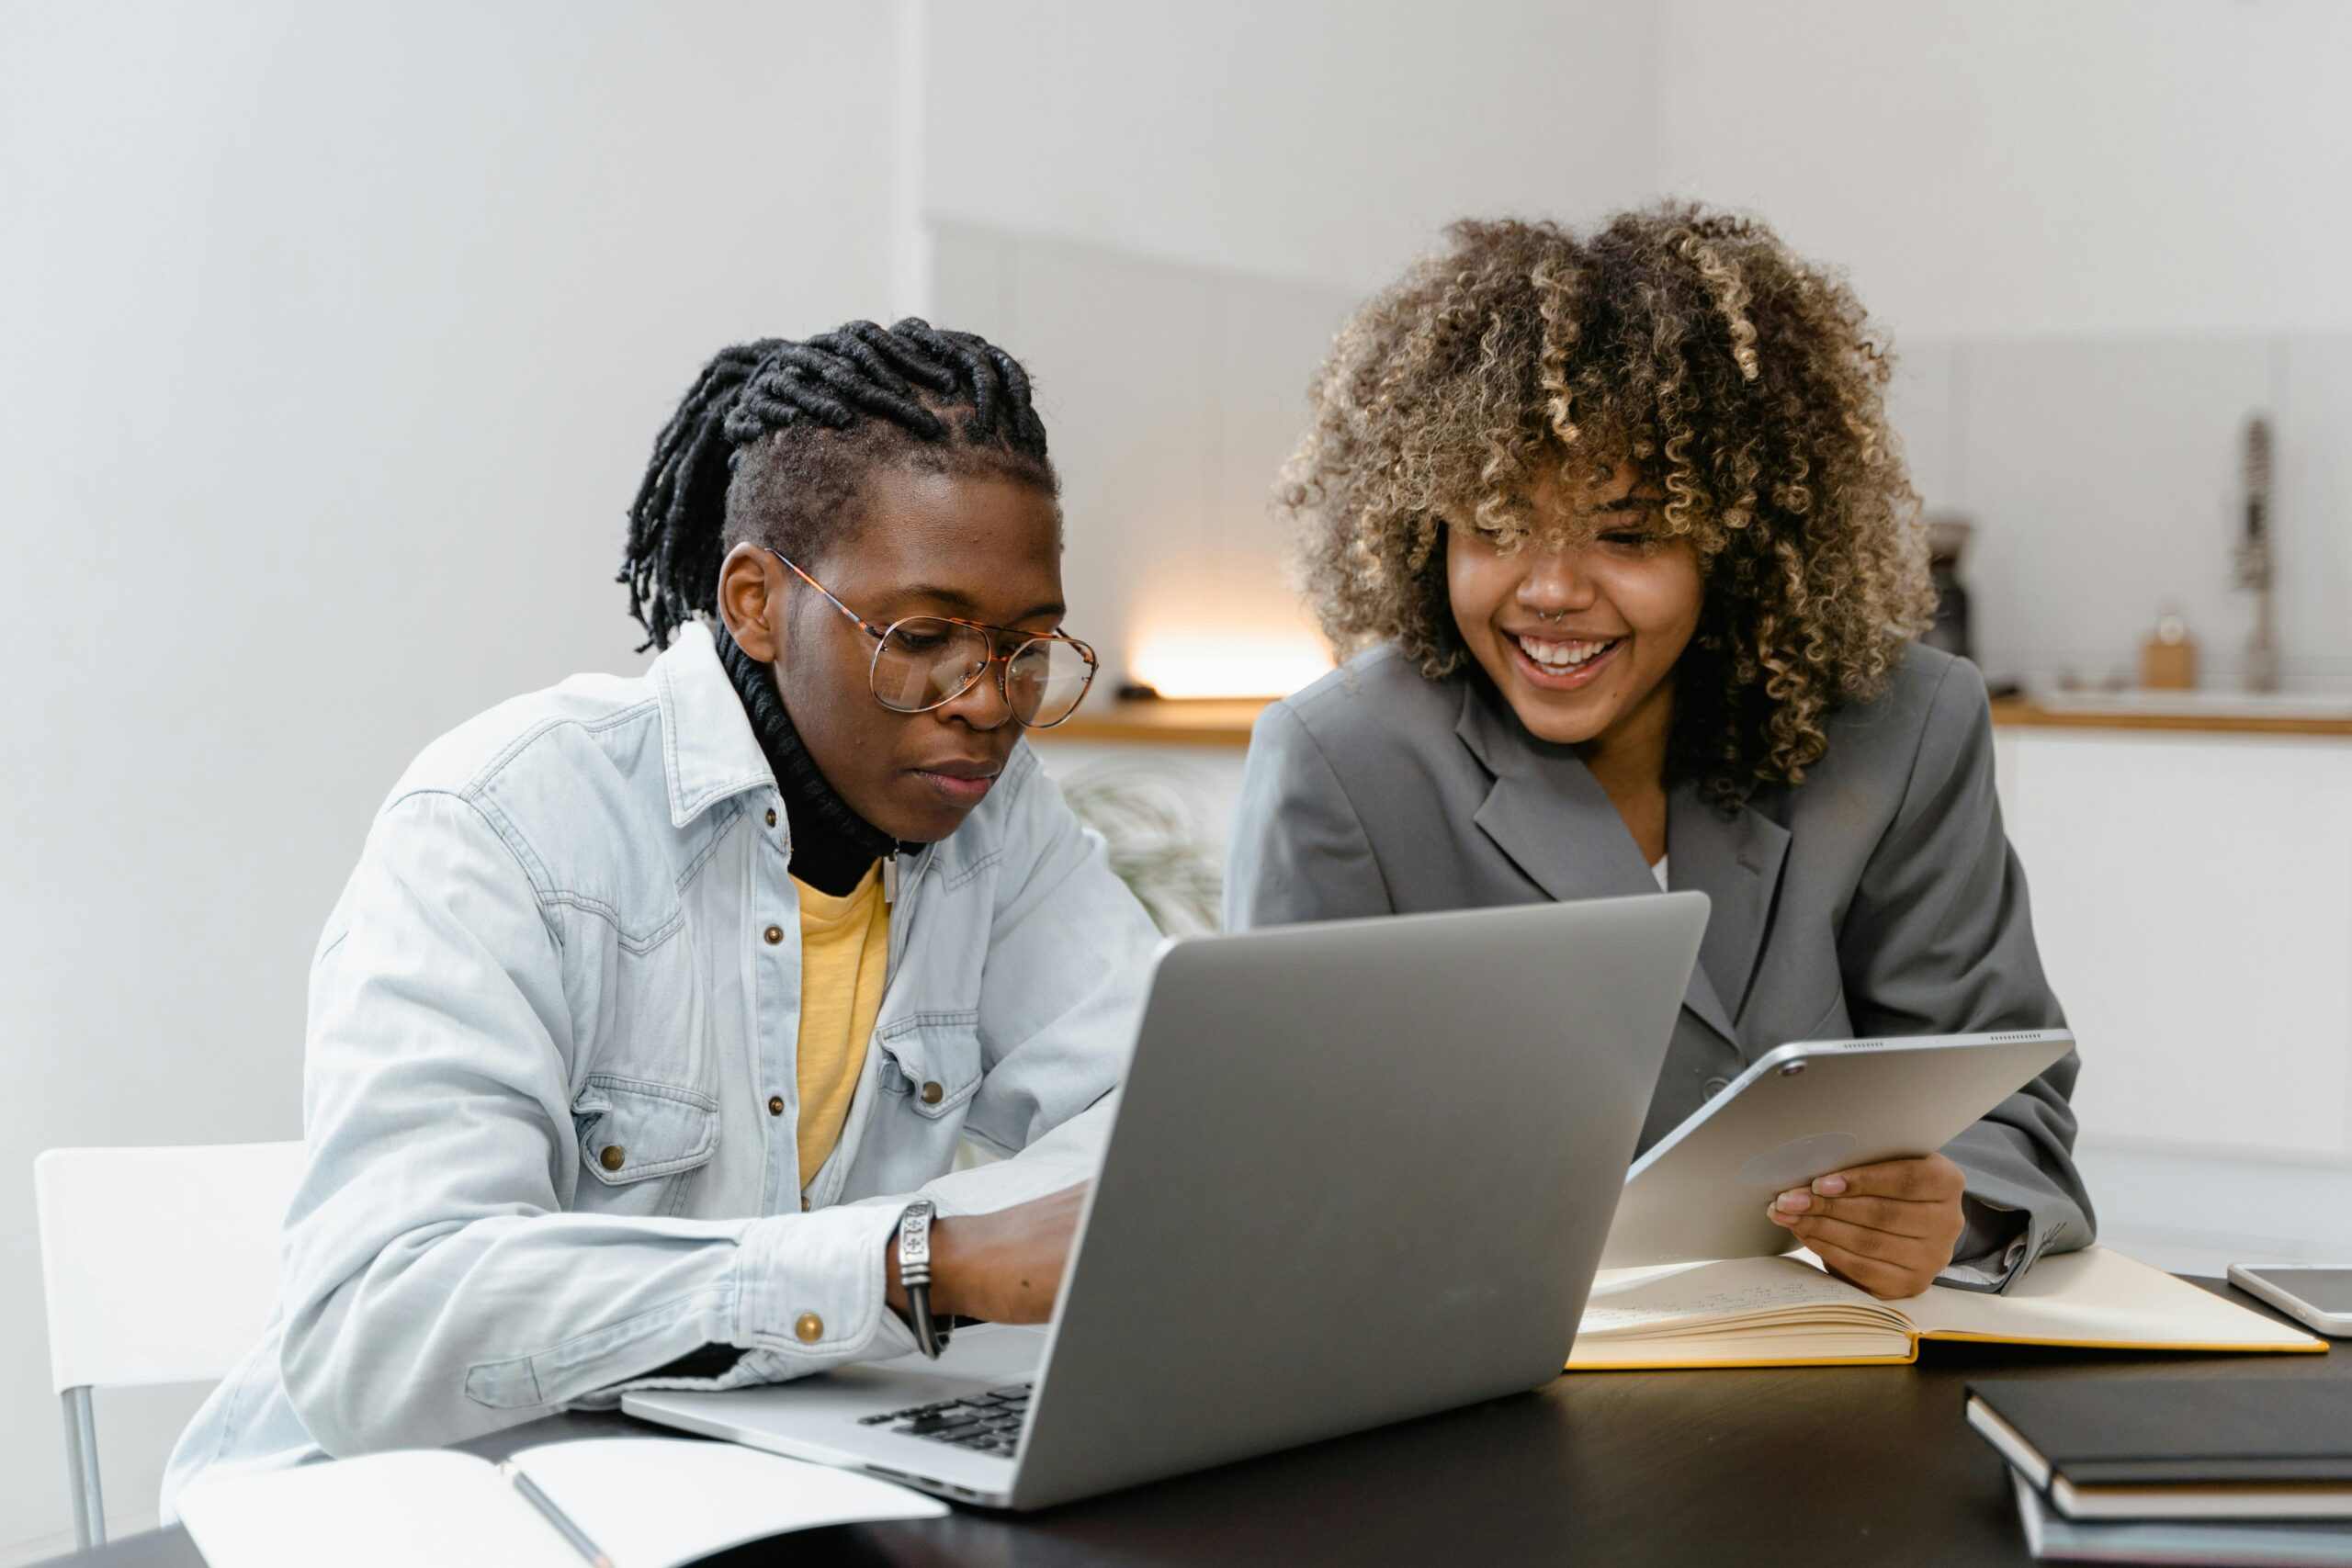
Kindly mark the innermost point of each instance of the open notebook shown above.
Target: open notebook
(1775, 1312)
(647, 1502)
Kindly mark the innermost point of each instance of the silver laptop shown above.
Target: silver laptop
(1360, 1171)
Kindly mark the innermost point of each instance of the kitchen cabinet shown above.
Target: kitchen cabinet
(2192, 897)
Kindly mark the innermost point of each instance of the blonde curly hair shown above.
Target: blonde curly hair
(1743, 383)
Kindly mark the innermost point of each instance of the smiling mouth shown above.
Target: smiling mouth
(1563, 654)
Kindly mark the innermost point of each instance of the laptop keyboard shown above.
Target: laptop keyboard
(986, 1423)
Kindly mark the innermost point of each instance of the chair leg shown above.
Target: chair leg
(81, 1469)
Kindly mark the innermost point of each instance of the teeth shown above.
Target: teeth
(1564, 655)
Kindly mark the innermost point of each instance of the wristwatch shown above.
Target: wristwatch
(915, 1275)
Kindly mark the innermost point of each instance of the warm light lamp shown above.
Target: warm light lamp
(1199, 661)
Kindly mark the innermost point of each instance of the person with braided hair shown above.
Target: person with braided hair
(655, 1004)
(1619, 545)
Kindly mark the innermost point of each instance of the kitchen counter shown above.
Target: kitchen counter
(2141, 710)
(1225, 721)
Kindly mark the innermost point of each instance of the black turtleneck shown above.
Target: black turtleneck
(832, 846)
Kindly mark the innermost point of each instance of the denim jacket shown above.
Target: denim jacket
(551, 1018)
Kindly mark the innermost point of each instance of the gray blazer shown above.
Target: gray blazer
(1880, 896)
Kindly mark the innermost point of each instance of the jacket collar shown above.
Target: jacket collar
(1735, 859)
(708, 752)
(1548, 813)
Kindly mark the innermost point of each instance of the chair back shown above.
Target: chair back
(158, 1265)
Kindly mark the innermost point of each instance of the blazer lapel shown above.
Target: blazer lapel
(1550, 816)
(1735, 861)
(1548, 813)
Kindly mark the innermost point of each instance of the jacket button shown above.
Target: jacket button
(771, 816)
(774, 934)
(775, 1105)
(932, 1094)
(810, 1328)
(612, 1157)
(1714, 1086)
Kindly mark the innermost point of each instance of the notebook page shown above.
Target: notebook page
(386, 1510)
(1627, 1302)
(1742, 1310)
(2102, 1297)
(654, 1502)
(1785, 1346)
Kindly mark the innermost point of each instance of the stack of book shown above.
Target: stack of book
(2239, 1470)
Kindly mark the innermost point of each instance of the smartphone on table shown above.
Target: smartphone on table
(2319, 1294)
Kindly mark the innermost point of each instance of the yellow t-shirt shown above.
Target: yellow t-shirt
(844, 949)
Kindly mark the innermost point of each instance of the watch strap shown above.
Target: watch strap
(914, 1276)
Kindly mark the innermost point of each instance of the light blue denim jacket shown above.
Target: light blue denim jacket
(546, 1020)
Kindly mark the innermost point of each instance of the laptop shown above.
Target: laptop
(1360, 1171)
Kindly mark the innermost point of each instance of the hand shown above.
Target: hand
(1889, 1228)
(1004, 1267)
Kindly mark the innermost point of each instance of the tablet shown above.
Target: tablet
(1804, 1110)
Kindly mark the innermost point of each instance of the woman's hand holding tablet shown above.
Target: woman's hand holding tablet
(1828, 1144)
(1888, 1227)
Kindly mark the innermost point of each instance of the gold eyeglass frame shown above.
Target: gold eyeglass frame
(996, 635)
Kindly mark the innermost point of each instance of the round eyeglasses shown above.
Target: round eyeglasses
(927, 661)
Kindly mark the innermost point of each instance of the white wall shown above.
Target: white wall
(1166, 211)
(336, 340)
(1321, 140)
(2011, 167)
(1173, 393)
(2103, 233)
(2105, 168)
(2105, 477)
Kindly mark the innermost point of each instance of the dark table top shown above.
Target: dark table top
(1813, 1466)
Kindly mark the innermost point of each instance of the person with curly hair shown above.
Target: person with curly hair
(1625, 565)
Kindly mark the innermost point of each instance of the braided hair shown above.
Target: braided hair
(776, 438)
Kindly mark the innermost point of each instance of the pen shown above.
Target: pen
(555, 1515)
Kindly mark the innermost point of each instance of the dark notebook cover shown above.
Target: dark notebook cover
(2181, 1431)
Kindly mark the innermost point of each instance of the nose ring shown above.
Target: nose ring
(1552, 615)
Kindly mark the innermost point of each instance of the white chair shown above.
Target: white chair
(158, 1265)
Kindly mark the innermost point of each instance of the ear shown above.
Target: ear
(752, 601)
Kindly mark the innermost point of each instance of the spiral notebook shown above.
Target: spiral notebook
(1786, 1311)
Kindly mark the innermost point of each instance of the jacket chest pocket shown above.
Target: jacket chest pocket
(930, 1066)
(639, 1142)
